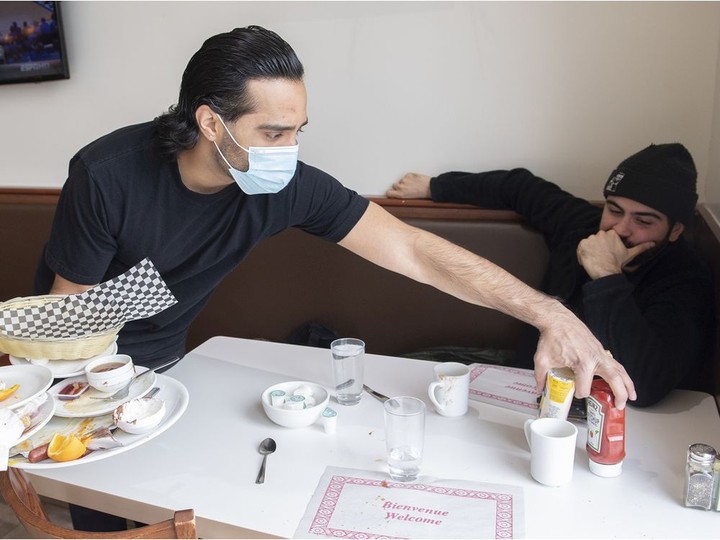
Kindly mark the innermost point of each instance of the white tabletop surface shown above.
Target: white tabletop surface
(208, 460)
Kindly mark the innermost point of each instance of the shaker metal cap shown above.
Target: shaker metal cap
(701, 452)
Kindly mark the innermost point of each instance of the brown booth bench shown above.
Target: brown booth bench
(294, 278)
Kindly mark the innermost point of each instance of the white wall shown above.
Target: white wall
(712, 193)
(566, 89)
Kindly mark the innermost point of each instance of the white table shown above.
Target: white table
(208, 460)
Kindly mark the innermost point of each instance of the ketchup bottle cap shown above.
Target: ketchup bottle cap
(606, 471)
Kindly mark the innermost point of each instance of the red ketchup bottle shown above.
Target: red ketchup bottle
(606, 431)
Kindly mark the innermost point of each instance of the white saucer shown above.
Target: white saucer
(85, 406)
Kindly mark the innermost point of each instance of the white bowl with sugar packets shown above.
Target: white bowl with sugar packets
(295, 404)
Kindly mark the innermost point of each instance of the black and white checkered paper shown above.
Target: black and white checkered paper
(139, 293)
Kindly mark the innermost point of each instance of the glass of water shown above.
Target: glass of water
(404, 436)
(348, 358)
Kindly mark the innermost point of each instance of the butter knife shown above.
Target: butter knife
(376, 395)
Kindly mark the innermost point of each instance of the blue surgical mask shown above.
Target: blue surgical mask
(270, 167)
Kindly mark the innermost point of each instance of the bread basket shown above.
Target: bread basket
(71, 348)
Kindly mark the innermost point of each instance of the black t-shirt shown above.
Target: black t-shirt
(123, 202)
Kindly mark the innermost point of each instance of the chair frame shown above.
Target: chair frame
(22, 499)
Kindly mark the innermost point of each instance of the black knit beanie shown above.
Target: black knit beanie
(662, 176)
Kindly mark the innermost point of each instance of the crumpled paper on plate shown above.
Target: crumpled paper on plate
(15, 423)
(139, 293)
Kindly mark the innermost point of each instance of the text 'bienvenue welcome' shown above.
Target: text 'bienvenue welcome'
(424, 517)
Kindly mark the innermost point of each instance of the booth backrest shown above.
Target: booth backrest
(24, 229)
(294, 279)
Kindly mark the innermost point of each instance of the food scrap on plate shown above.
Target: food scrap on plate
(7, 392)
(35, 448)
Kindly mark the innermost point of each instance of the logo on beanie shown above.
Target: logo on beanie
(613, 183)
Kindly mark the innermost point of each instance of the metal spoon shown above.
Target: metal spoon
(268, 446)
(347, 383)
(377, 395)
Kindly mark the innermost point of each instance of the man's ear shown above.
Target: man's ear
(208, 123)
(676, 231)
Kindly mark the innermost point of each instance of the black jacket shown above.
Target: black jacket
(657, 321)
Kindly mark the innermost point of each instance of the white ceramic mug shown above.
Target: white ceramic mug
(552, 450)
(449, 391)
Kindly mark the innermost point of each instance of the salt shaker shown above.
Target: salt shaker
(716, 485)
(699, 476)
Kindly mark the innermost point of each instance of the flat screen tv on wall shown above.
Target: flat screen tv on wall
(32, 44)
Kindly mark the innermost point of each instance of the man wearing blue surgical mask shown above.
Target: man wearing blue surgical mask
(269, 168)
(195, 190)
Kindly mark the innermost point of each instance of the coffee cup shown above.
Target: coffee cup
(552, 450)
(450, 389)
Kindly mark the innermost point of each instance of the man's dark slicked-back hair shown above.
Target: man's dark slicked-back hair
(217, 76)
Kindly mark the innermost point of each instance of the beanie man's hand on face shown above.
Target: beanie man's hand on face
(604, 254)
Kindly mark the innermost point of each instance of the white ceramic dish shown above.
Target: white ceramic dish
(85, 406)
(33, 381)
(172, 392)
(295, 418)
(140, 415)
(110, 373)
(65, 368)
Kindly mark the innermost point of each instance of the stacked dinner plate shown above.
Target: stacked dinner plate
(63, 368)
(27, 409)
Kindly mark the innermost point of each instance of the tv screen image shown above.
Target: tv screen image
(32, 45)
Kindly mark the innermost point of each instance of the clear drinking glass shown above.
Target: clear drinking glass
(404, 436)
(348, 358)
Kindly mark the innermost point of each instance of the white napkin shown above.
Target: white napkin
(139, 293)
(11, 429)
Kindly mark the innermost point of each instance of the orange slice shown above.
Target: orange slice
(4, 394)
(64, 448)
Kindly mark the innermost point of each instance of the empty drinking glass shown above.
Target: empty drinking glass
(404, 436)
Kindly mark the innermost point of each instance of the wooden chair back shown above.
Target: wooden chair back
(22, 499)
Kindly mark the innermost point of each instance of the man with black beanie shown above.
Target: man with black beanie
(625, 269)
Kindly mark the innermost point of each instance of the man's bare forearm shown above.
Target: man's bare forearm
(427, 258)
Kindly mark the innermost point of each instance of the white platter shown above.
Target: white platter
(33, 381)
(85, 406)
(176, 399)
(65, 368)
